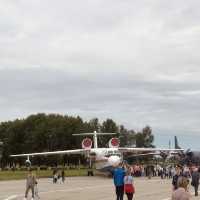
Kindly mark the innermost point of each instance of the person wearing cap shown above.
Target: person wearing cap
(118, 177)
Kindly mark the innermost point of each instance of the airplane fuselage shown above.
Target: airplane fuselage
(106, 157)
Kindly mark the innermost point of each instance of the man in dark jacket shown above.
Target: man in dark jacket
(118, 177)
(195, 179)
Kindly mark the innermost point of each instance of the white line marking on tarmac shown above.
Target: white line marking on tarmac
(74, 189)
(61, 190)
(11, 197)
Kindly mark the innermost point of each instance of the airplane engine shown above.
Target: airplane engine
(164, 155)
(114, 143)
(114, 160)
(87, 143)
(28, 163)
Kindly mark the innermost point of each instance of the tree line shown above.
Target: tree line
(52, 132)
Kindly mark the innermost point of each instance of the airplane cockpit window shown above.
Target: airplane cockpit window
(113, 153)
(110, 152)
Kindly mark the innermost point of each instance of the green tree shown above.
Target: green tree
(108, 126)
(42, 132)
(145, 138)
(127, 137)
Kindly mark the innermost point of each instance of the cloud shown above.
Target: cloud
(134, 61)
(129, 101)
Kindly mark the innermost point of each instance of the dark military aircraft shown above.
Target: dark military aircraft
(184, 157)
(187, 157)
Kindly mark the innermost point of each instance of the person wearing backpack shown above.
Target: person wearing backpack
(129, 188)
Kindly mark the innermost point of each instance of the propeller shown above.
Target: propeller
(164, 155)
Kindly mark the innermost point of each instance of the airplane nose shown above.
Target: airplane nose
(114, 160)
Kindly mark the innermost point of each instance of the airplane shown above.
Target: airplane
(104, 158)
(187, 157)
(162, 153)
(184, 157)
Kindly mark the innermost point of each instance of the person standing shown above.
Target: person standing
(55, 177)
(176, 177)
(30, 184)
(63, 176)
(181, 193)
(128, 185)
(36, 193)
(118, 177)
(54, 173)
(195, 179)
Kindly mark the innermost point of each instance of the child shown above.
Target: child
(128, 185)
(36, 191)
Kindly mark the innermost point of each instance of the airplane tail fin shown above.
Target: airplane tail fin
(176, 143)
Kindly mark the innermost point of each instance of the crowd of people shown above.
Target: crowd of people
(157, 170)
(151, 170)
(123, 180)
(181, 182)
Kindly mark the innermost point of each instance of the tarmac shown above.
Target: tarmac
(88, 188)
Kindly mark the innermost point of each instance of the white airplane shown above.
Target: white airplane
(104, 158)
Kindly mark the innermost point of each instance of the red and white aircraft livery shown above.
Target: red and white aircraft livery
(105, 158)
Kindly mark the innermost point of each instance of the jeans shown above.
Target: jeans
(120, 192)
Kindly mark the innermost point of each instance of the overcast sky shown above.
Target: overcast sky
(135, 61)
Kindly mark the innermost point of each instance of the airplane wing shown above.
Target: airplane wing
(84, 134)
(139, 150)
(143, 154)
(75, 151)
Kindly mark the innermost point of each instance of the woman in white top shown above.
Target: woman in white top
(128, 185)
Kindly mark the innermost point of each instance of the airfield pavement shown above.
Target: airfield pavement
(88, 188)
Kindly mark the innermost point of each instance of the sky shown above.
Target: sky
(135, 61)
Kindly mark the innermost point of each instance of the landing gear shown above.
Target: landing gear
(90, 173)
(90, 167)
